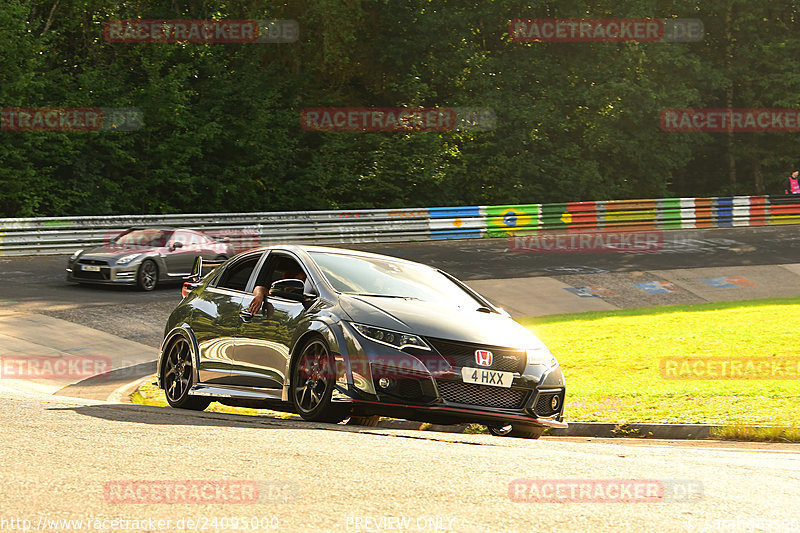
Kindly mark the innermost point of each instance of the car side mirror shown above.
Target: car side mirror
(290, 289)
(197, 269)
(175, 245)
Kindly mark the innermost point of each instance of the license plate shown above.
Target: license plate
(481, 376)
(90, 268)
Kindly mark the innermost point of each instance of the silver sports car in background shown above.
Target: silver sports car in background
(144, 257)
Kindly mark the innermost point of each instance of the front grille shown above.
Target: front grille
(544, 406)
(481, 395)
(103, 274)
(461, 354)
(410, 389)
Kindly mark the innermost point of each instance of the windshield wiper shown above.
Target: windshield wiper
(383, 295)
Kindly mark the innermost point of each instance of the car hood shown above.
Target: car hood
(430, 319)
(107, 253)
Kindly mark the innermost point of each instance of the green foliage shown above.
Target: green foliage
(575, 121)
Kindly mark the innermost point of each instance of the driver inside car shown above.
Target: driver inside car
(260, 292)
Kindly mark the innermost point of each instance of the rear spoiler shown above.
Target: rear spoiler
(201, 268)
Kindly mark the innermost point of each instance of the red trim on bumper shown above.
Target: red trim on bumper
(541, 421)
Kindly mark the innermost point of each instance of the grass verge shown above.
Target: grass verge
(611, 363)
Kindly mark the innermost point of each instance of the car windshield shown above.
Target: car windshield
(143, 238)
(368, 276)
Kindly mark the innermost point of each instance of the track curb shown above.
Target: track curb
(586, 429)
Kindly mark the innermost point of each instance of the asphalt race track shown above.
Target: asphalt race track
(73, 458)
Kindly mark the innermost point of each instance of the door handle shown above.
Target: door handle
(246, 316)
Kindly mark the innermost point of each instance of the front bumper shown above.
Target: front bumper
(107, 275)
(450, 414)
(430, 390)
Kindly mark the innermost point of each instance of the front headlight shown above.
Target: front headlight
(541, 356)
(127, 259)
(75, 254)
(392, 338)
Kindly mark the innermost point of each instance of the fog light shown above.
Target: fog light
(554, 403)
(384, 383)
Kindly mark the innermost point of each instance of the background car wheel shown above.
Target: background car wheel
(312, 383)
(370, 421)
(178, 377)
(521, 432)
(147, 275)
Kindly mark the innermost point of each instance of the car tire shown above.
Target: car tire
(521, 432)
(369, 421)
(312, 383)
(178, 377)
(147, 275)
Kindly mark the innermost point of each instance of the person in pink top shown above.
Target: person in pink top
(793, 183)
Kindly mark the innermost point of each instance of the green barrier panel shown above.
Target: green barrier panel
(555, 216)
(502, 220)
(668, 213)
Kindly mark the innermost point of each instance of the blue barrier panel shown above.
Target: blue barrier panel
(454, 212)
(456, 222)
(723, 211)
(457, 234)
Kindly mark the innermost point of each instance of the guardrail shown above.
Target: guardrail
(59, 235)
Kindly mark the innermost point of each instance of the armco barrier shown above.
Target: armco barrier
(663, 213)
(39, 236)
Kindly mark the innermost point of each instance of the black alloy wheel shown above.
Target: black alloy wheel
(313, 379)
(178, 377)
(147, 275)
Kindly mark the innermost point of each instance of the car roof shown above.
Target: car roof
(162, 228)
(340, 251)
(145, 228)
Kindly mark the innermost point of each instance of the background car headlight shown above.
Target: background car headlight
(127, 259)
(75, 254)
(392, 338)
(541, 356)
